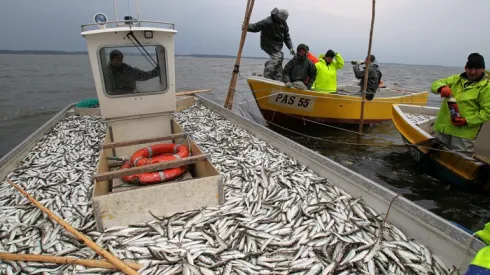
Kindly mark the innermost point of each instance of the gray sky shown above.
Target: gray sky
(441, 32)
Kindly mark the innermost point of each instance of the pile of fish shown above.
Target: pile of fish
(58, 173)
(279, 217)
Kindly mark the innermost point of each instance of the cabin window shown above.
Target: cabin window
(131, 70)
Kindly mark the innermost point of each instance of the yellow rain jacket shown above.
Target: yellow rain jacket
(326, 74)
(473, 103)
(482, 258)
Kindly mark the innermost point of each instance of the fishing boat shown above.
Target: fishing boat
(416, 127)
(273, 186)
(288, 106)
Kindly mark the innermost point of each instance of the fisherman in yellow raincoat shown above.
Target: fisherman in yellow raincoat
(471, 89)
(326, 72)
(481, 263)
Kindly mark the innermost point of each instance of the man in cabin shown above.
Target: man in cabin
(471, 90)
(120, 78)
(374, 76)
(326, 72)
(274, 31)
(299, 72)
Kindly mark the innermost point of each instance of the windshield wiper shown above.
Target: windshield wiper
(154, 64)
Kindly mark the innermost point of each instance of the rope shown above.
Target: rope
(386, 142)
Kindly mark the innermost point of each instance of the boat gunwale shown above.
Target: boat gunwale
(421, 217)
(23, 148)
(334, 95)
(401, 113)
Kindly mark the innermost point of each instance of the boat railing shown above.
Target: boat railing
(123, 23)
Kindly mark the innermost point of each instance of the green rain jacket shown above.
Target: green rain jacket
(482, 258)
(326, 74)
(473, 99)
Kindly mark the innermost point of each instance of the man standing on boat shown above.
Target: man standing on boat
(274, 31)
(471, 90)
(326, 72)
(299, 72)
(374, 76)
(121, 78)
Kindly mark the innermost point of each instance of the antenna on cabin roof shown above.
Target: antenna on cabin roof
(138, 9)
(115, 8)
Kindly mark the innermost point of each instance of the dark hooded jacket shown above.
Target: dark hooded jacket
(272, 33)
(374, 77)
(122, 80)
(300, 68)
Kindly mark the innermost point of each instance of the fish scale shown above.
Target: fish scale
(273, 209)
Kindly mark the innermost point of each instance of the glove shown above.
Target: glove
(459, 122)
(292, 51)
(243, 26)
(289, 85)
(445, 91)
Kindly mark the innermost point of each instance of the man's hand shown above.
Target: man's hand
(459, 122)
(243, 26)
(289, 85)
(292, 51)
(445, 91)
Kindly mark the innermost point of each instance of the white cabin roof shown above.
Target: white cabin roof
(132, 28)
(128, 25)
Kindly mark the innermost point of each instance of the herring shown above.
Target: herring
(278, 217)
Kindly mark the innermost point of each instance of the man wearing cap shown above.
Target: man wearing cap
(471, 90)
(326, 72)
(274, 31)
(374, 76)
(120, 78)
(299, 72)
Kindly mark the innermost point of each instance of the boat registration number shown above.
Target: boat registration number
(294, 101)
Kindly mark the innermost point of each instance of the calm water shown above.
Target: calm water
(35, 87)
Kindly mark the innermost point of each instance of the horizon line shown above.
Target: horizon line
(197, 55)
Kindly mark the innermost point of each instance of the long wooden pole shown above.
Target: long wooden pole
(231, 90)
(102, 252)
(366, 70)
(63, 260)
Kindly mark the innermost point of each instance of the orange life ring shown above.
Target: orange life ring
(154, 154)
(159, 153)
(153, 177)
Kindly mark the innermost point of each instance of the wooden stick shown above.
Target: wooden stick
(231, 90)
(141, 141)
(102, 252)
(63, 260)
(191, 92)
(148, 168)
(366, 70)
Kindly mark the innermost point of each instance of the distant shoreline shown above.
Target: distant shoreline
(85, 53)
(36, 52)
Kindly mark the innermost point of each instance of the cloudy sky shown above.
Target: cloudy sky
(441, 32)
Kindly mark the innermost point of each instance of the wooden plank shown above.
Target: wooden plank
(149, 168)
(141, 141)
(191, 92)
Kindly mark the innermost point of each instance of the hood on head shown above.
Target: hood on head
(282, 14)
